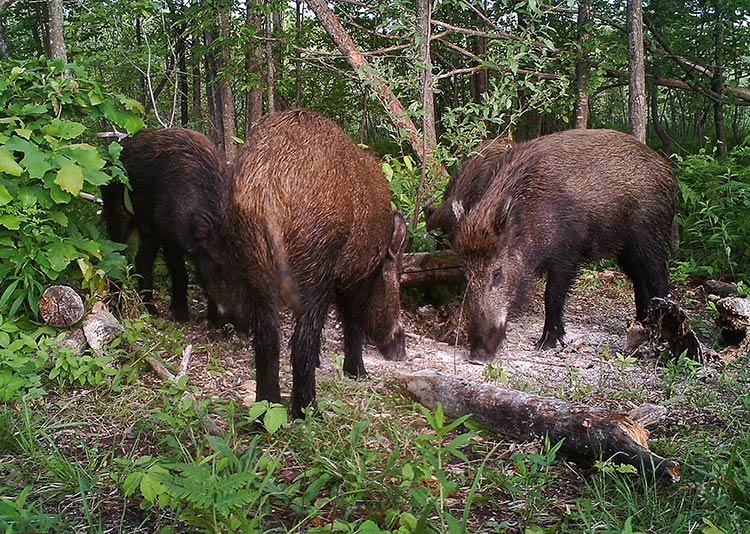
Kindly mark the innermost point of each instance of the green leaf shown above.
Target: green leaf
(59, 217)
(86, 155)
(5, 196)
(275, 417)
(70, 176)
(58, 195)
(132, 105)
(60, 255)
(63, 129)
(35, 160)
(151, 487)
(24, 132)
(257, 409)
(8, 163)
(11, 222)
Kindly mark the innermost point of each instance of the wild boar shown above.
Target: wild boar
(308, 223)
(467, 186)
(172, 172)
(553, 204)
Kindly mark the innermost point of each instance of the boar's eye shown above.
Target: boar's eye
(498, 277)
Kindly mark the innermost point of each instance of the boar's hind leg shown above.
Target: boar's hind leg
(559, 281)
(306, 354)
(648, 272)
(178, 272)
(265, 327)
(354, 337)
(148, 248)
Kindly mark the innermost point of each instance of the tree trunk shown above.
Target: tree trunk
(197, 92)
(636, 58)
(298, 63)
(429, 135)
(270, 66)
(393, 107)
(183, 80)
(56, 32)
(213, 95)
(666, 139)
(588, 434)
(4, 48)
(228, 112)
(480, 80)
(583, 67)
(254, 62)
(717, 83)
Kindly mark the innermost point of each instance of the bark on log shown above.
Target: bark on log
(589, 434)
(666, 329)
(61, 306)
(430, 268)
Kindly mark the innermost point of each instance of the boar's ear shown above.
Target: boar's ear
(457, 208)
(398, 237)
(502, 214)
(202, 225)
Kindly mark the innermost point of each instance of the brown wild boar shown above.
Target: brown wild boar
(553, 204)
(467, 186)
(172, 172)
(309, 222)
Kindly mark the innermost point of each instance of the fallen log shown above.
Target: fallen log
(589, 434)
(61, 306)
(430, 268)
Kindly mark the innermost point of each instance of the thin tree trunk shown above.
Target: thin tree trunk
(213, 94)
(197, 92)
(666, 140)
(270, 66)
(228, 113)
(56, 31)
(429, 136)
(4, 48)
(718, 81)
(480, 80)
(583, 67)
(142, 78)
(183, 80)
(637, 110)
(298, 62)
(348, 47)
(254, 61)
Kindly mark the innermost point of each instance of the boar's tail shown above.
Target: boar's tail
(287, 281)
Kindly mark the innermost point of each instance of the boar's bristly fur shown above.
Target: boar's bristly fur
(553, 204)
(172, 172)
(308, 223)
(468, 185)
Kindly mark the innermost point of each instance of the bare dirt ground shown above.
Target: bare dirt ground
(592, 365)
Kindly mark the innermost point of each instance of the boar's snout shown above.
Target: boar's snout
(395, 348)
(485, 341)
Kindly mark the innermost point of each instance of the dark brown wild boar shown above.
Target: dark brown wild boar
(555, 203)
(309, 222)
(467, 186)
(172, 172)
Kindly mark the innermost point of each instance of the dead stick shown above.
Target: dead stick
(588, 434)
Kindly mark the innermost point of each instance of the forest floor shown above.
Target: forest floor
(592, 364)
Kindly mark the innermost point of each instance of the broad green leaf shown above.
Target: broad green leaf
(35, 160)
(63, 129)
(133, 105)
(58, 195)
(275, 417)
(11, 222)
(86, 155)
(33, 109)
(388, 171)
(151, 487)
(5, 196)
(257, 409)
(134, 124)
(59, 217)
(96, 178)
(70, 176)
(8, 163)
(24, 132)
(60, 255)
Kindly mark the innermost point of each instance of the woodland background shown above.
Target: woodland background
(422, 83)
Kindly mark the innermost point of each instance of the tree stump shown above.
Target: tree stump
(100, 328)
(61, 306)
(734, 321)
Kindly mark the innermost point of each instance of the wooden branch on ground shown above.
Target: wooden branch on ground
(588, 434)
(164, 373)
(430, 268)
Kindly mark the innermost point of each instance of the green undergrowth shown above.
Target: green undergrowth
(131, 454)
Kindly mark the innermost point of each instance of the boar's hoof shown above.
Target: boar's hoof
(548, 341)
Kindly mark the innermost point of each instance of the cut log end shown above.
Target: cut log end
(61, 306)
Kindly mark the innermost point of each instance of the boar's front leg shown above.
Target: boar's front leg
(148, 248)
(178, 272)
(354, 337)
(559, 281)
